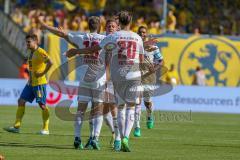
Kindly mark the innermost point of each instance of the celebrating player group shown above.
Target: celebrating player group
(118, 71)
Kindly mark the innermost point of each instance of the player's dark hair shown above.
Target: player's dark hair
(94, 23)
(124, 18)
(142, 27)
(32, 36)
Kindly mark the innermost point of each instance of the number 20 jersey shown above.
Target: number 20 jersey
(126, 48)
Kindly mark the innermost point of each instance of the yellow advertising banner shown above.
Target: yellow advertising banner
(218, 56)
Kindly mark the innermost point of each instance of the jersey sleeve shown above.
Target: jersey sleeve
(75, 38)
(157, 54)
(44, 55)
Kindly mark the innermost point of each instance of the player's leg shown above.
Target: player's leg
(107, 116)
(45, 118)
(133, 90)
(40, 94)
(117, 141)
(147, 94)
(26, 95)
(129, 122)
(149, 107)
(97, 123)
(137, 117)
(121, 119)
(121, 109)
(82, 106)
(89, 142)
(83, 100)
(111, 100)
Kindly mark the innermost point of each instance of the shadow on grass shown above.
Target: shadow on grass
(31, 133)
(47, 146)
(14, 144)
(51, 134)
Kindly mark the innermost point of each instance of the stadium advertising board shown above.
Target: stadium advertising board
(200, 99)
(181, 98)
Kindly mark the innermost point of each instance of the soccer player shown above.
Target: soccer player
(77, 41)
(110, 107)
(152, 57)
(110, 110)
(127, 52)
(90, 71)
(39, 64)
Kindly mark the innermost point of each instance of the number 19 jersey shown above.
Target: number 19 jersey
(91, 65)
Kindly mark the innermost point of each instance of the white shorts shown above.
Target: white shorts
(91, 92)
(127, 91)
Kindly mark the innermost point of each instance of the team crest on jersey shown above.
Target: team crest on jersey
(110, 46)
(218, 59)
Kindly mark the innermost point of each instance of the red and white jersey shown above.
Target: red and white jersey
(126, 48)
(84, 40)
(91, 64)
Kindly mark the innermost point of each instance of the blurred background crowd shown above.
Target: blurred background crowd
(183, 16)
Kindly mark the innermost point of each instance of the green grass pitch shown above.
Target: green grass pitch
(176, 136)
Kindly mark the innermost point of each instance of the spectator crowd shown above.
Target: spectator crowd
(184, 16)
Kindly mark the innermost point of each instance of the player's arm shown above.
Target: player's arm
(48, 66)
(141, 55)
(57, 31)
(157, 56)
(90, 50)
(150, 42)
(48, 63)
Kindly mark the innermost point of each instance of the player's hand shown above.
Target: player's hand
(41, 21)
(151, 41)
(150, 48)
(71, 52)
(38, 74)
(62, 30)
(151, 69)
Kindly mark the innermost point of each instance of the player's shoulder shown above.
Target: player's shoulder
(135, 35)
(76, 34)
(97, 35)
(111, 36)
(41, 50)
(102, 36)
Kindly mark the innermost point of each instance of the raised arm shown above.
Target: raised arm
(57, 31)
(150, 42)
(90, 50)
